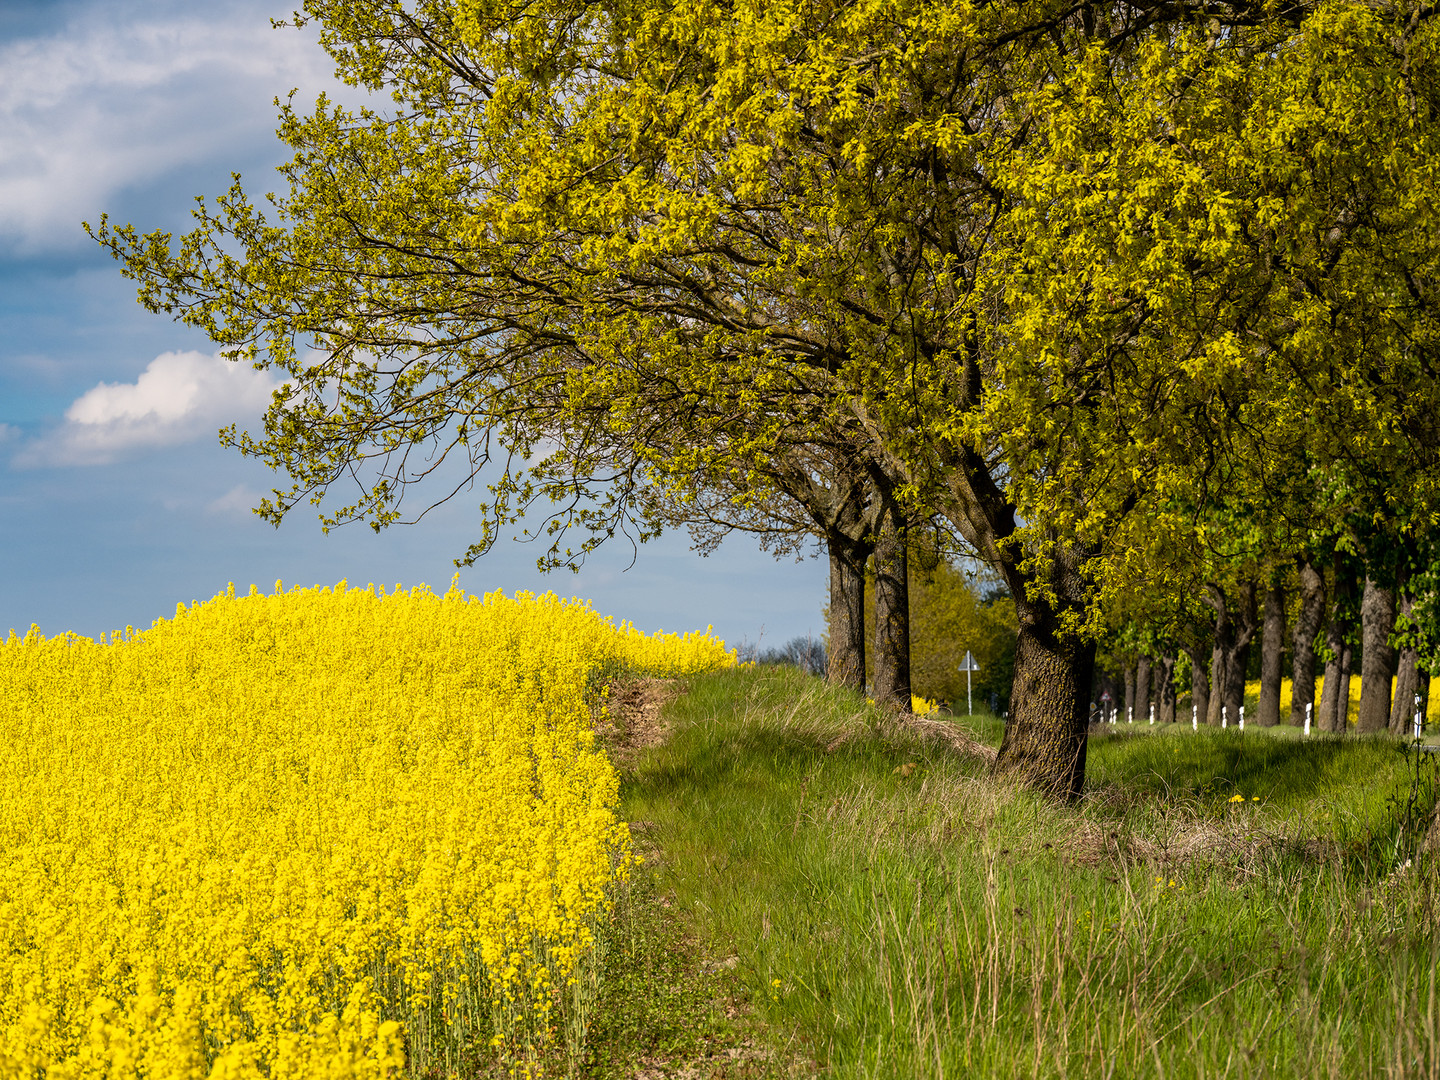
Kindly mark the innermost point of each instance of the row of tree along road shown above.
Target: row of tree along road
(1134, 301)
(1297, 623)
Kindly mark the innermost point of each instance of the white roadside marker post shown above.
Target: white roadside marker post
(1224, 717)
(1129, 714)
(1194, 717)
(1309, 708)
(1419, 720)
(1152, 714)
(1242, 717)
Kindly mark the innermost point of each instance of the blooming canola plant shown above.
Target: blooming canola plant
(322, 832)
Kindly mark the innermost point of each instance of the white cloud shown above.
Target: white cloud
(8, 432)
(238, 502)
(179, 397)
(121, 97)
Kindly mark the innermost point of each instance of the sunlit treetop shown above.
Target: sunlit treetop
(1067, 271)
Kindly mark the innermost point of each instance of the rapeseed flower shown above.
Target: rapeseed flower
(309, 833)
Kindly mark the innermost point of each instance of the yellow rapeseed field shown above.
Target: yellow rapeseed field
(310, 834)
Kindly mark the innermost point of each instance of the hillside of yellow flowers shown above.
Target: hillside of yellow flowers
(314, 833)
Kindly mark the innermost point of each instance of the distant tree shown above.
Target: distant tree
(1308, 621)
(953, 611)
(805, 653)
(1378, 658)
(1272, 647)
(1334, 711)
(821, 492)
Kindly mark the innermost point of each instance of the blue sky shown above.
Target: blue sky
(116, 499)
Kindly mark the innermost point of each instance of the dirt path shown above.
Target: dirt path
(675, 1007)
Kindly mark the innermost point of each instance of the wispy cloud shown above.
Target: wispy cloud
(238, 502)
(179, 397)
(121, 97)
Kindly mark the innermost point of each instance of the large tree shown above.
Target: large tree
(1053, 263)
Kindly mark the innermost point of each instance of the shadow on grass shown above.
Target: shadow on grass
(934, 922)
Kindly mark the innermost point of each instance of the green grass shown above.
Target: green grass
(928, 921)
(666, 1002)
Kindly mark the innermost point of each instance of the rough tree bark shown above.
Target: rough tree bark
(1302, 645)
(892, 615)
(1272, 648)
(846, 660)
(1199, 682)
(1235, 625)
(1143, 669)
(1045, 739)
(1047, 728)
(1407, 678)
(1335, 691)
(1165, 689)
(1377, 661)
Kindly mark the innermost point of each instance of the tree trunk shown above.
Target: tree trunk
(1423, 689)
(1143, 671)
(1335, 704)
(1307, 625)
(1335, 693)
(1199, 683)
(1219, 650)
(1407, 690)
(1377, 622)
(1045, 738)
(1272, 648)
(1128, 711)
(1235, 626)
(1407, 678)
(1245, 622)
(1165, 690)
(846, 660)
(1044, 742)
(892, 617)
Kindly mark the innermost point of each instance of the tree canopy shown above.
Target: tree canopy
(1055, 267)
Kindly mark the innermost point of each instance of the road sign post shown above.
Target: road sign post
(968, 665)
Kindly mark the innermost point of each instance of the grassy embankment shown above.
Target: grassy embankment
(871, 903)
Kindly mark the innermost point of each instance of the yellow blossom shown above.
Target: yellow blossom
(294, 834)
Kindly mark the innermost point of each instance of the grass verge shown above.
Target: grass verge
(892, 911)
(668, 1006)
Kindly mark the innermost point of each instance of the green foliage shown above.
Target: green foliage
(927, 921)
(1421, 628)
(1184, 678)
(981, 240)
(1094, 283)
